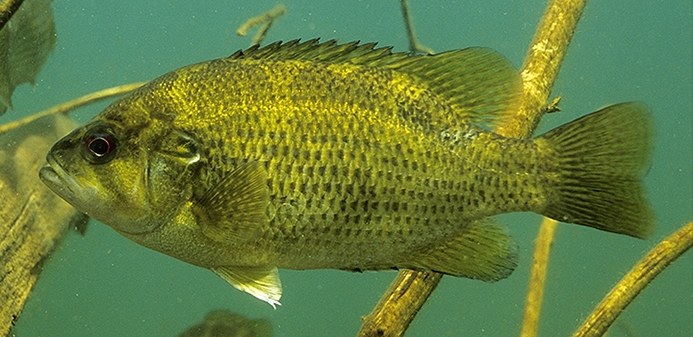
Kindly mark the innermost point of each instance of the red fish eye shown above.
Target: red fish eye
(99, 147)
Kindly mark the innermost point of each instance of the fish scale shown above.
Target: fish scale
(391, 199)
(293, 182)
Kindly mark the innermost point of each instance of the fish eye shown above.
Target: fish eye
(99, 146)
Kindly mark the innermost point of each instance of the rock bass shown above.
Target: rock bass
(308, 155)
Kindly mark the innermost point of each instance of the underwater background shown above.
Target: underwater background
(104, 285)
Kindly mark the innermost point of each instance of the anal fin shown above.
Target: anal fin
(481, 251)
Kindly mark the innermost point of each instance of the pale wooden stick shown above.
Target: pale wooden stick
(538, 73)
(635, 281)
(537, 279)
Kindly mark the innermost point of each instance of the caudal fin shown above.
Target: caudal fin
(599, 161)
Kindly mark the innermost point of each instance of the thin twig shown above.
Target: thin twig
(537, 279)
(635, 281)
(266, 19)
(414, 45)
(73, 104)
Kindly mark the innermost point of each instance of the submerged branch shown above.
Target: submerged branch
(538, 74)
(635, 281)
(542, 64)
(73, 104)
(32, 217)
(400, 304)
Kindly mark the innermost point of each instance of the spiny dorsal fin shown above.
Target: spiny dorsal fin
(478, 83)
(328, 52)
(234, 209)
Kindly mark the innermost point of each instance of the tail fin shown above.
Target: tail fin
(600, 159)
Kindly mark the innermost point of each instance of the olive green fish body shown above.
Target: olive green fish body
(351, 183)
(308, 155)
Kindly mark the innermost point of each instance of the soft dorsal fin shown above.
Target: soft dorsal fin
(234, 208)
(479, 84)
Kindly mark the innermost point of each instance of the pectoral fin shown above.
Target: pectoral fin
(234, 209)
(261, 282)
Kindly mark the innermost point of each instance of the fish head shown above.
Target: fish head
(124, 168)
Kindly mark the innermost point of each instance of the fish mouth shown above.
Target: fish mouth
(55, 177)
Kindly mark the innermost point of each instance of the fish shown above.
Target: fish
(224, 323)
(320, 155)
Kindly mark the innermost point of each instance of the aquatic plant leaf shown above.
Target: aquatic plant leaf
(25, 43)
